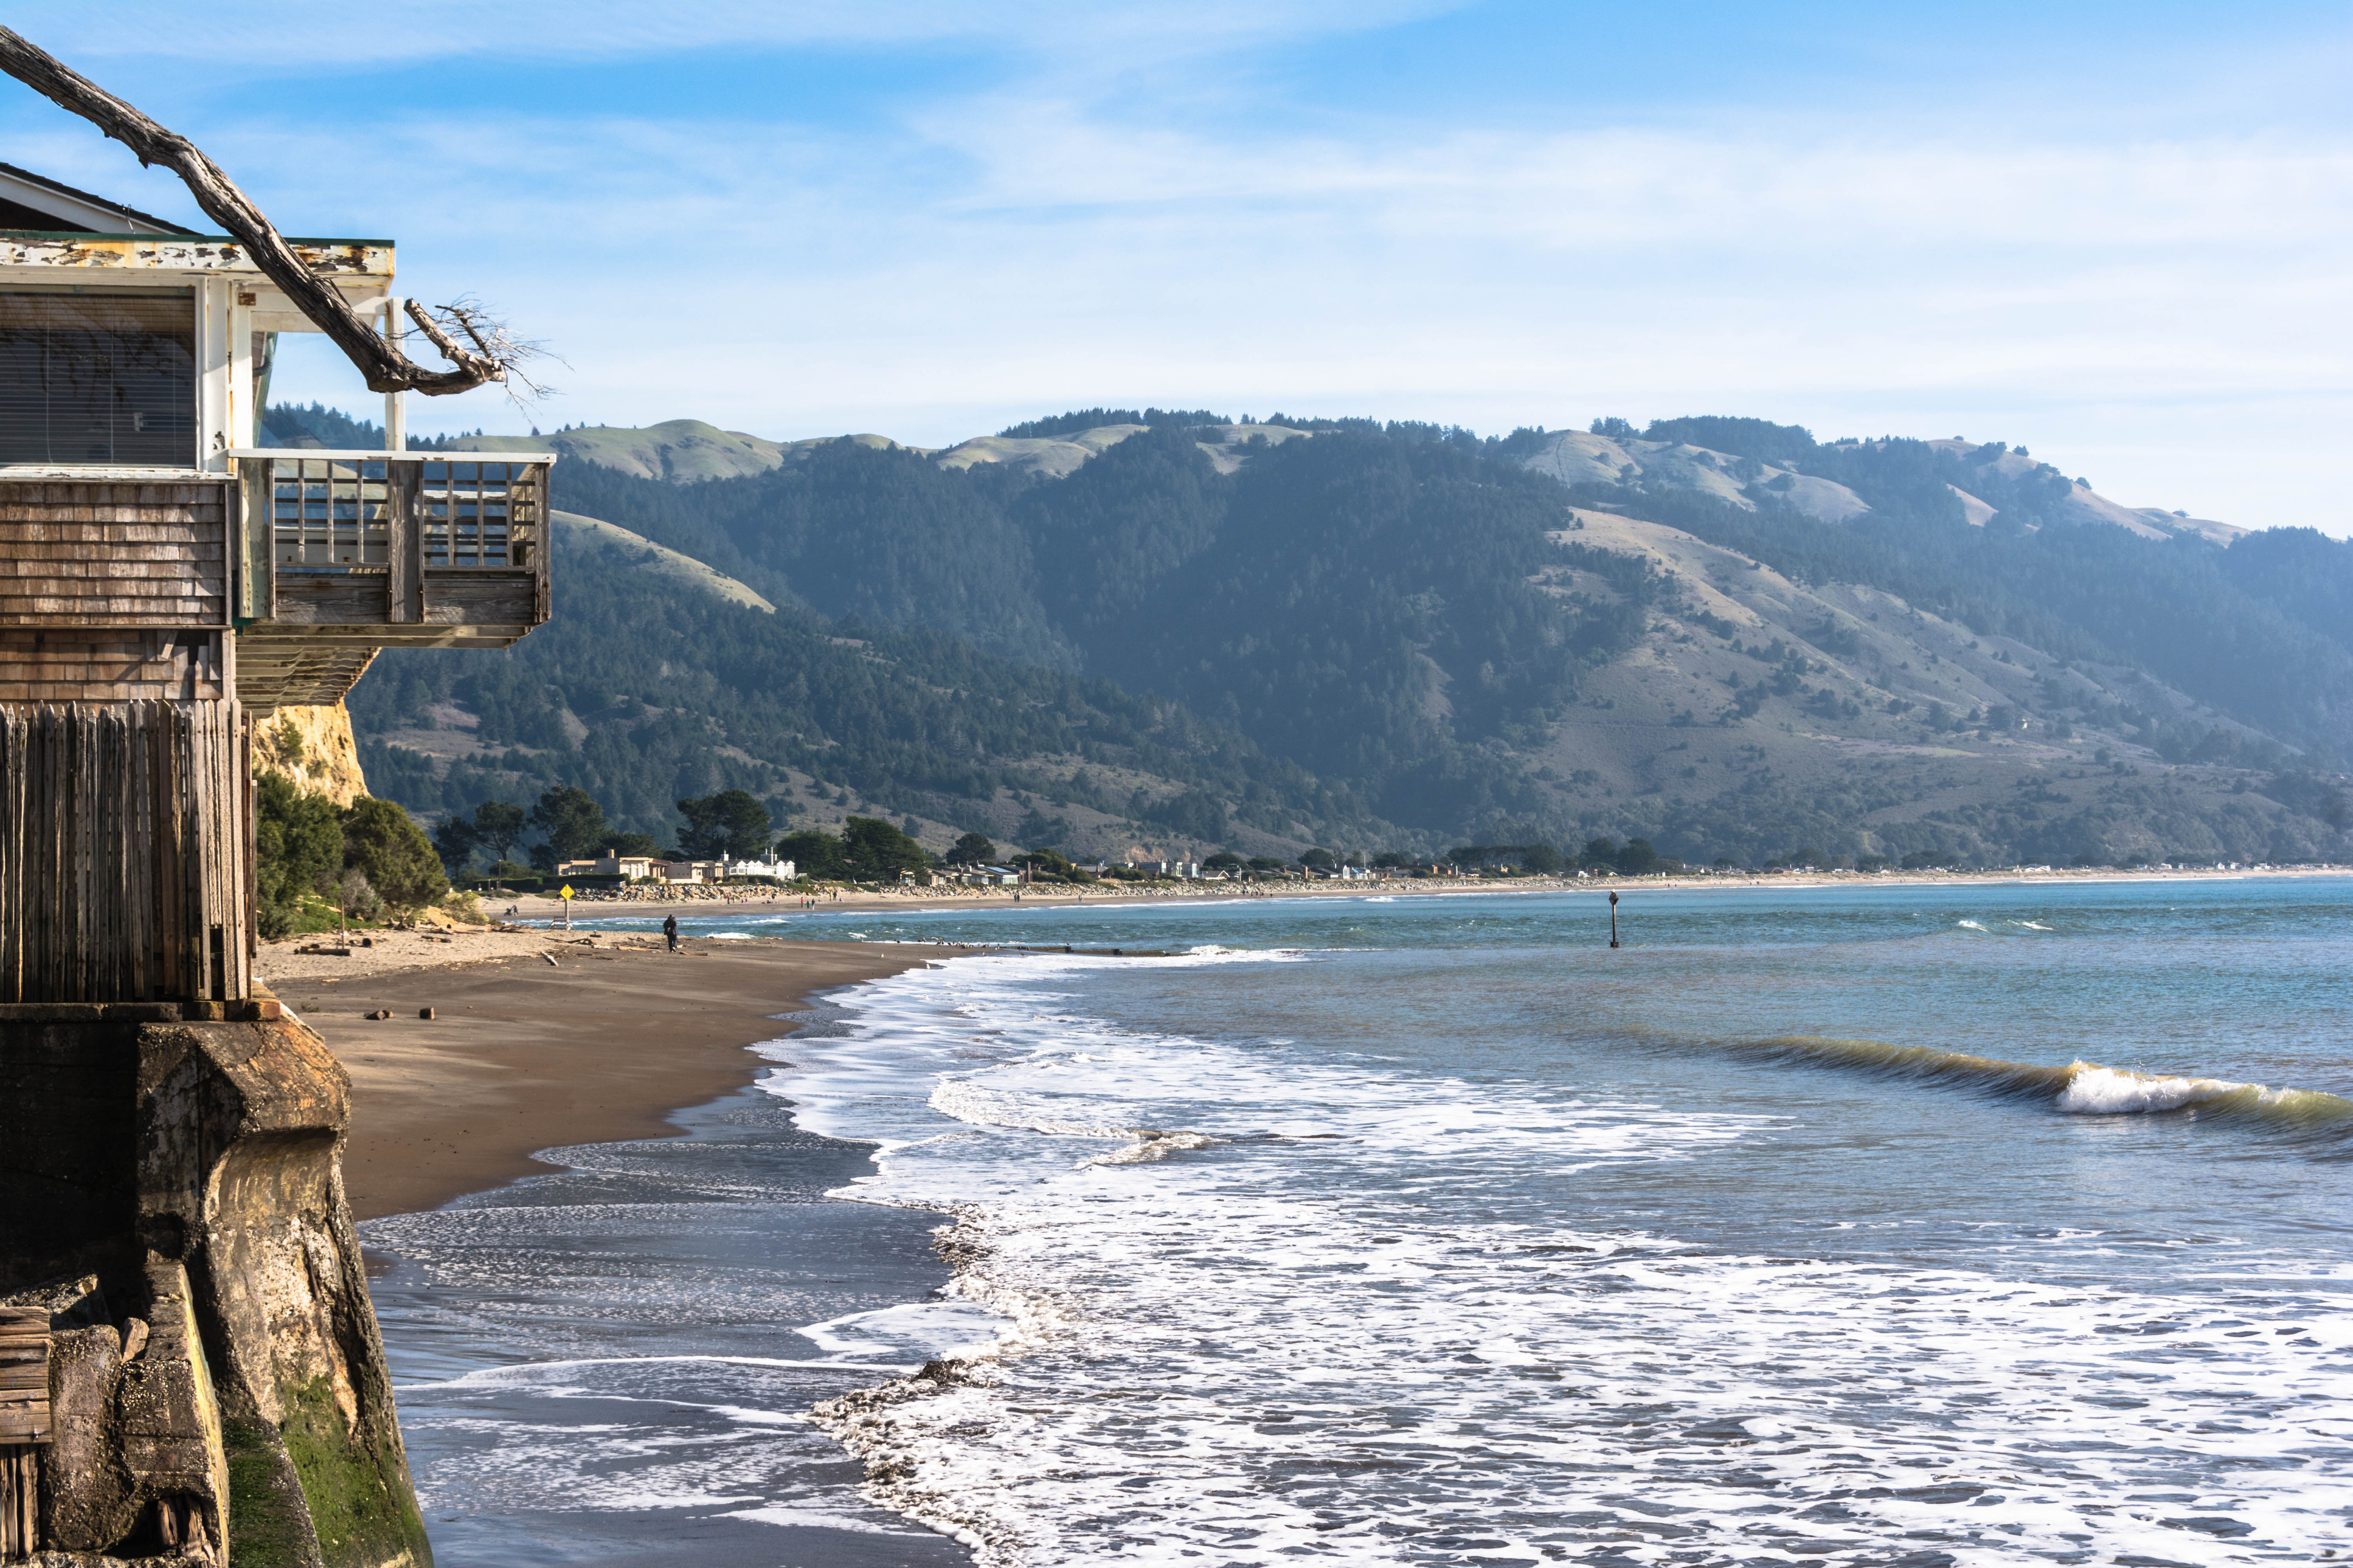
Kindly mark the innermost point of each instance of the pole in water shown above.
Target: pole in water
(1613, 919)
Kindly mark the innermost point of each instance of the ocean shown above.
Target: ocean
(1921, 1224)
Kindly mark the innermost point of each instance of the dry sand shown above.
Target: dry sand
(525, 1055)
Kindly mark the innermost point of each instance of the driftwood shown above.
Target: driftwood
(493, 355)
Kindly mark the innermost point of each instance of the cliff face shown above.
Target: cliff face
(312, 746)
(216, 1384)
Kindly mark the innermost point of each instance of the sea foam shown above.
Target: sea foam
(1318, 1328)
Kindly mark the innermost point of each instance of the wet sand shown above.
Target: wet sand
(657, 1284)
(602, 1046)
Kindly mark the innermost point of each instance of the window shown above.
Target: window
(96, 378)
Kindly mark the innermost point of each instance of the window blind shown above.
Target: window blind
(98, 378)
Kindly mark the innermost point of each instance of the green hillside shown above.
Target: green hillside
(1719, 634)
(652, 686)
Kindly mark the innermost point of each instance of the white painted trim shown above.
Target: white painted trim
(373, 264)
(216, 405)
(396, 412)
(98, 216)
(340, 453)
(241, 410)
(89, 474)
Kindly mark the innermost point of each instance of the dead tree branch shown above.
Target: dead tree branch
(380, 361)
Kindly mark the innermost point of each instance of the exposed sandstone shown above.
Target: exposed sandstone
(323, 758)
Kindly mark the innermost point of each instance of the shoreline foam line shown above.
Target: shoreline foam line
(524, 1371)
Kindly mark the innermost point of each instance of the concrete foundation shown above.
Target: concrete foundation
(218, 1386)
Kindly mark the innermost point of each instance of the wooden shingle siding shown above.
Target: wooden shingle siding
(113, 555)
(111, 665)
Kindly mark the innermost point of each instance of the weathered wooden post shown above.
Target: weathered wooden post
(1613, 917)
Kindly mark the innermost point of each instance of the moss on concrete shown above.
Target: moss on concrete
(268, 1523)
(360, 1504)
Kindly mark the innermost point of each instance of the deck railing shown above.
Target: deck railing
(403, 515)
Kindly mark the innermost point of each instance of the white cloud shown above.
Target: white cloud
(2169, 316)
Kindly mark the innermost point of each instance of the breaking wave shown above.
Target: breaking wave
(1376, 1324)
(2078, 1088)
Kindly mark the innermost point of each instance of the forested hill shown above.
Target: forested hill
(1763, 646)
(653, 684)
(1366, 606)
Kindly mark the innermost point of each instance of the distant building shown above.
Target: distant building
(636, 867)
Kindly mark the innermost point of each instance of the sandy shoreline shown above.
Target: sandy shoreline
(614, 1037)
(601, 1046)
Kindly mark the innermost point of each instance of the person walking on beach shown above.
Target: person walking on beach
(669, 930)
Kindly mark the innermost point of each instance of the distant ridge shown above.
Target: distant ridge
(686, 451)
(682, 451)
(1757, 462)
(1719, 635)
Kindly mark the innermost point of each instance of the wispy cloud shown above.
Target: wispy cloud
(274, 37)
(1119, 215)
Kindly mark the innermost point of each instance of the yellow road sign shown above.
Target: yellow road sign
(565, 892)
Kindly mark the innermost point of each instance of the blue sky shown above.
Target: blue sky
(2117, 234)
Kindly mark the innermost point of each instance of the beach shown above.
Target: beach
(612, 1036)
(532, 1307)
(1246, 1237)
(601, 1045)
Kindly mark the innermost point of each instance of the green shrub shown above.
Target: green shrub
(298, 851)
(398, 861)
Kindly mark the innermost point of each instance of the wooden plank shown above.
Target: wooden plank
(24, 1423)
(123, 853)
(403, 543)
(19, 1501)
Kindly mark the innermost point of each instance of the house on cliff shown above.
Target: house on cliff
(155, 561)
(181, 1295)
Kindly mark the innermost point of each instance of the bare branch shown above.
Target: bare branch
(492, 337)
(385, 366)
